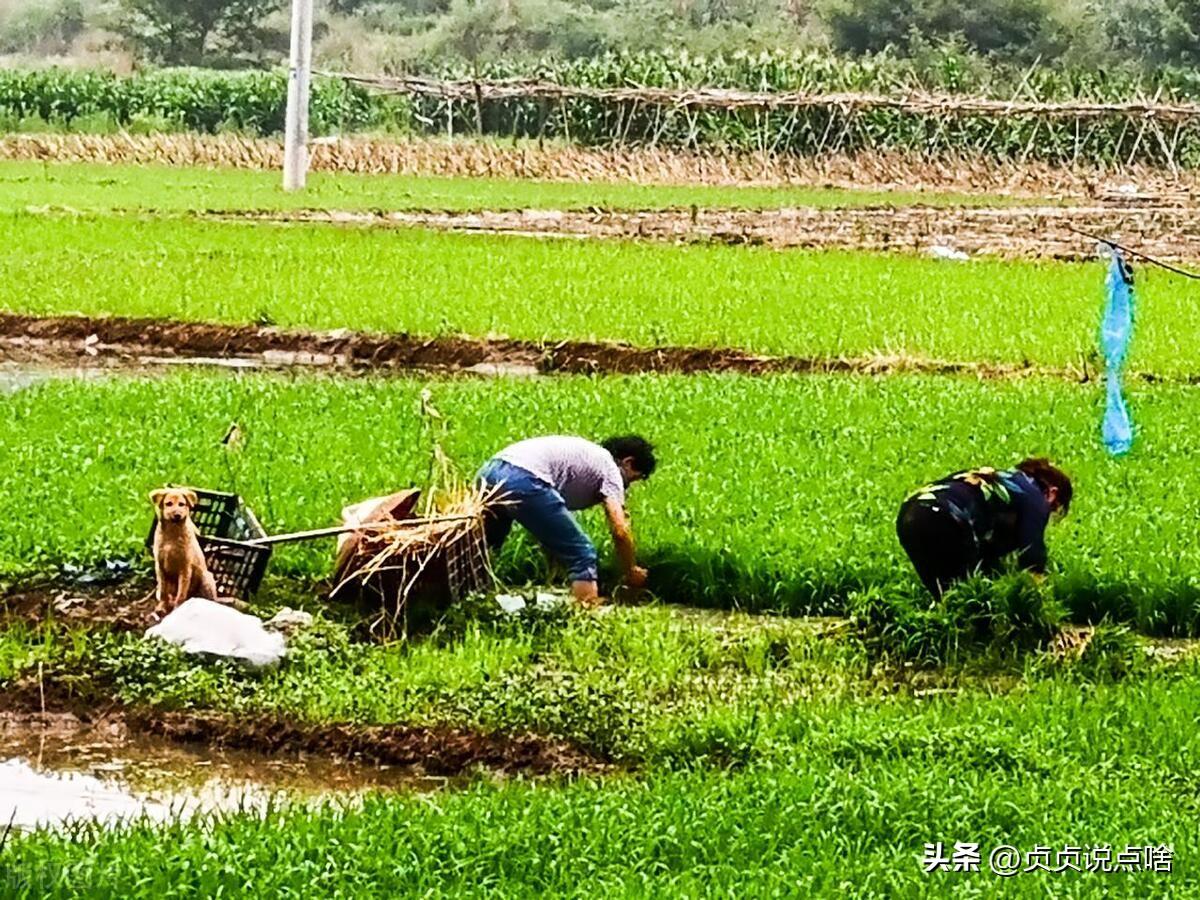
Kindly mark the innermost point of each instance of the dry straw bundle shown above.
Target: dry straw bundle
(642, 165)
(439, 555)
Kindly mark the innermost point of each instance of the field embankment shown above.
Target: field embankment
(423, 750)
(31, 344)
(547, 691)
(1036, 232)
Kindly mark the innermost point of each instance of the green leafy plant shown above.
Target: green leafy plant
(254, 102)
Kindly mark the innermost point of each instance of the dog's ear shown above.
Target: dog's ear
(156, 496)
(191, 498)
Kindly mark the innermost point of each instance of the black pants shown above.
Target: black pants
(942, 548)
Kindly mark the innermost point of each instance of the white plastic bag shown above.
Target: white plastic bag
(201, 626)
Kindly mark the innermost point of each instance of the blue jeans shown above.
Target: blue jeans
(543, 512)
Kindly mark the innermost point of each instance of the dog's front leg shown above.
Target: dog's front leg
(166, 593)
(183, 586)
(160, 586)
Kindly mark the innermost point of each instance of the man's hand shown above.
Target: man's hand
(622, 534)
(636, 577)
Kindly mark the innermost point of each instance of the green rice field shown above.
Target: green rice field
(796, 303)
(785, 713)
(773, 493)
(98, 186)
(841, 802)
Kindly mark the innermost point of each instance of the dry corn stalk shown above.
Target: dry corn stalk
(401, 554)
(442, 474)
(449, 535)
(641, 165)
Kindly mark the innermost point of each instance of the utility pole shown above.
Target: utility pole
(295, 135)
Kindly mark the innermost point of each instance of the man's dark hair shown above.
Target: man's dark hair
(630, 445)
(1048, 475)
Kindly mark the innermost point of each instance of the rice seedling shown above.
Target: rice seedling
(823, 305)
(774, 493)
(165, 188)
(767, 756)
(844, 801)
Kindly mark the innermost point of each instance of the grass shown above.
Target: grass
(770, 760)
(840, 798)
(646, 685)
(772, 493)
(98, 186)
(777, 832)
(803, 303)
(637, 685)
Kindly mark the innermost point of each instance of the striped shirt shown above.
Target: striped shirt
(582, 472)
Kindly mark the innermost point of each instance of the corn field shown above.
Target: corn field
(771, 104)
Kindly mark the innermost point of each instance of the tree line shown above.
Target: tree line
(415, 35)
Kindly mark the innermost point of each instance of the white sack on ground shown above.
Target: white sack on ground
(511, 603)
(201, 626)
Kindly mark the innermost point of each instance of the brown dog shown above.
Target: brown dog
(178, 560)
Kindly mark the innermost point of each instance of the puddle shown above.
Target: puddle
(55, 769)
(23, 366)
(13, 379)
(16, 376)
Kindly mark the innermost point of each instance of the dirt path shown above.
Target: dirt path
(125, 606)
(76, 341)
(1168, 232)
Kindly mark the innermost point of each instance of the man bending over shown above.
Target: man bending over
(544, 479)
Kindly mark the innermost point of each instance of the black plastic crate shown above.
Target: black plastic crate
(226, 526)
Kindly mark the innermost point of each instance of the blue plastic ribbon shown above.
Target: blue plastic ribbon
(1115, 330)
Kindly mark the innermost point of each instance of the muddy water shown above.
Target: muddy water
(23, 368)
(55, 769)
(16, 376)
